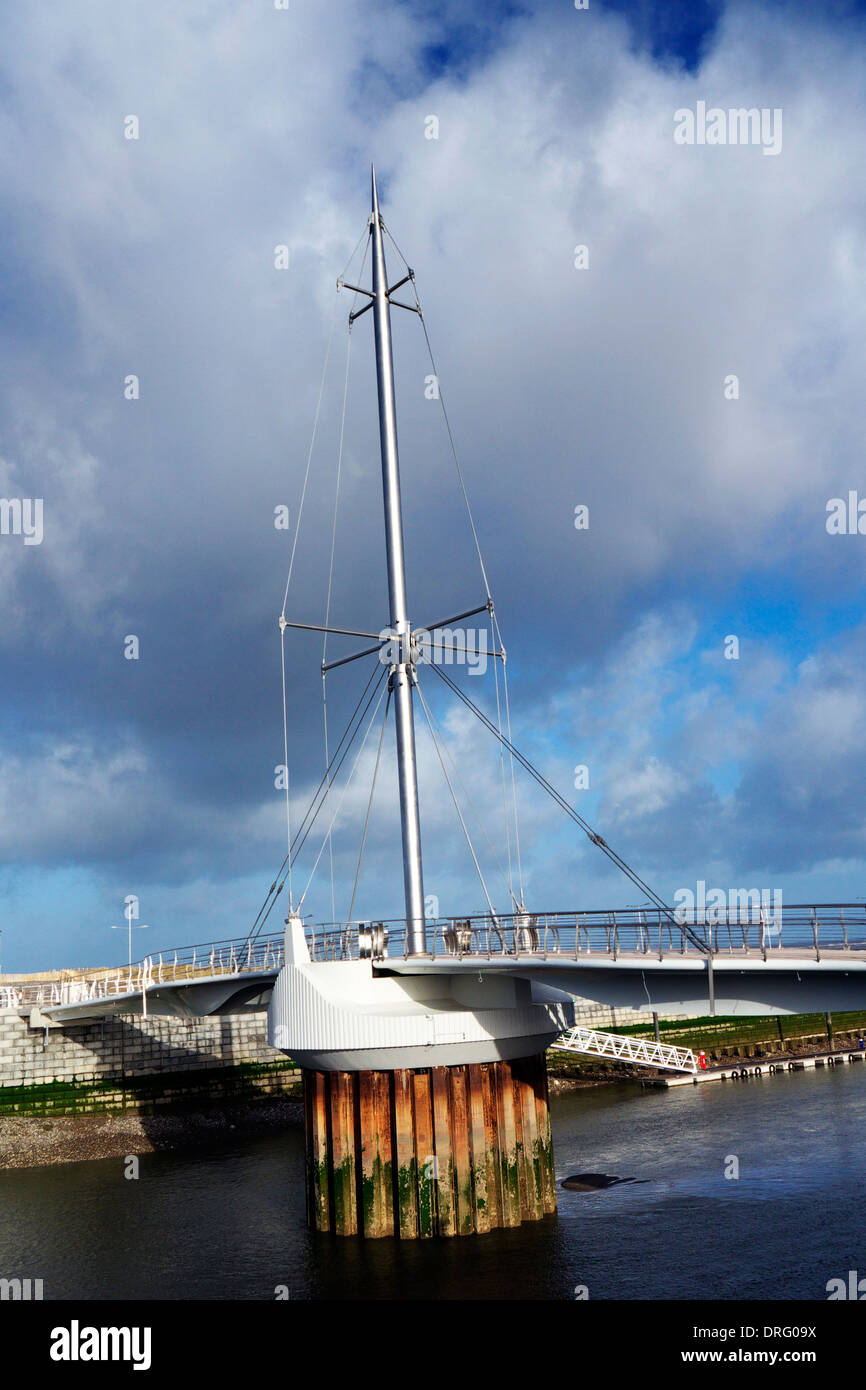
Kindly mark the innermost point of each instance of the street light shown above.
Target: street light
(131, 910)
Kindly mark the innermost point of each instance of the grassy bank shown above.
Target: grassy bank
(779, 1033)
(721, 1039)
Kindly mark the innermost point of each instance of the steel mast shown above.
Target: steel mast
(402, 676)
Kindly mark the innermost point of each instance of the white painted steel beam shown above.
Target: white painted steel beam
(640, 1051)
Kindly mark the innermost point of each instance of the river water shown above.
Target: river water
(228, 1222)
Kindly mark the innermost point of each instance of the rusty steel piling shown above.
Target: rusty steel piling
(433, 1151)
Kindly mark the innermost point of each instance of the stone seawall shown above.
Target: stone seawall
(114, 1049)
(138, 1064)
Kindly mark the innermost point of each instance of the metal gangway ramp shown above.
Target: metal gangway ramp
(637, 1050)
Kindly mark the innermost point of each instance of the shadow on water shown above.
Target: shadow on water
(595, 1182)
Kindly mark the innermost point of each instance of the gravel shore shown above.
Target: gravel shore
(35, 1141)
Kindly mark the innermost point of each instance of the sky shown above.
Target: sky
(692, 377)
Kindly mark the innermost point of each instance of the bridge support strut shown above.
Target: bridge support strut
(431, 1151)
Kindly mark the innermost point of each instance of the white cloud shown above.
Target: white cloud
(602, 386)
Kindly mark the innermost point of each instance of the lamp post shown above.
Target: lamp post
(130, 910)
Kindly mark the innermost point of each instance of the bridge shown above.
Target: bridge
(798, 959)
(410, 1055)
(222, 977)
(611, 1046)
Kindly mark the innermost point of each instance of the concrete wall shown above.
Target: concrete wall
(114, 1048)
(605, 1016)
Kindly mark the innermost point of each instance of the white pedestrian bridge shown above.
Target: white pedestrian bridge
(800, 959)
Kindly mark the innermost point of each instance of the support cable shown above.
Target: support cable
(301, 840)
(591, 834)
(456, 806)
(513, 777)
(445, 417)
(482, 567)
(342, 797)
(331, 585)
(456, 771)
(276, 886)
(369, 809)
(292, 553)
(506, 816)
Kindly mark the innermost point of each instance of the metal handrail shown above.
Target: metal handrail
(264, 955)
(639, 1051)
(740, 930)
(619, 933)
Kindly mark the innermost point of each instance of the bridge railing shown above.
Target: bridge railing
(737, 931)
(638, 1050)
(243, 956)
(815, 928)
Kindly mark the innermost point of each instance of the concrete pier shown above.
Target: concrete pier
(430, 1151)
